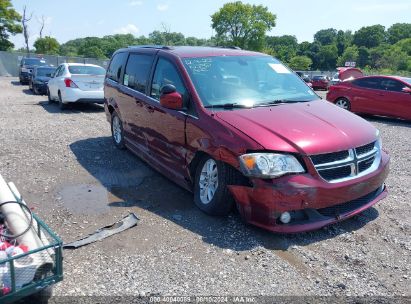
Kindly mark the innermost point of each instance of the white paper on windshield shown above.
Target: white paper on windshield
(279, 68)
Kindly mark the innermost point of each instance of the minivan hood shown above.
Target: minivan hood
(308, 127)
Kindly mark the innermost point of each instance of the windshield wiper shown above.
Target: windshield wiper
(278, 102)
(228, 106)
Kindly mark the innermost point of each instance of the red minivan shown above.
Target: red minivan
(238, 128)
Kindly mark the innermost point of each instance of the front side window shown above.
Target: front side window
(392, 85)
(137, 71)
(246, 81)
(166, 73)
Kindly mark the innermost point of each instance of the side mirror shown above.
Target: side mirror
(170, 98)
(406, 90)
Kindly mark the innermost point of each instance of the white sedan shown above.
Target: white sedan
(77, 82)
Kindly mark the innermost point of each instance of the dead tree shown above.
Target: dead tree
(42, 22)
(24, 21)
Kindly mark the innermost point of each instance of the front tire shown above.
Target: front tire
(117, 132)
(211, 194)
(343, 103)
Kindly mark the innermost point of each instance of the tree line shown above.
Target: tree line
(246, 26)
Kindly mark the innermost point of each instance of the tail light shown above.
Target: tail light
(70, 83)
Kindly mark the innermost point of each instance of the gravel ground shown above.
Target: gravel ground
(67, 168)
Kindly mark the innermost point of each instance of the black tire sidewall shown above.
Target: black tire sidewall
(121, 144)
(62, 105)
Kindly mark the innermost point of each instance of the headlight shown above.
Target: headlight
(269, 165)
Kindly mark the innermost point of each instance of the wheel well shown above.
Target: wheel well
(341, 97)
(194, 163)
(240, 180)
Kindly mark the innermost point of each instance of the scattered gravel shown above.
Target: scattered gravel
(67, 168)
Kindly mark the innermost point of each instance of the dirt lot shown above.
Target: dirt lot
(66, 167)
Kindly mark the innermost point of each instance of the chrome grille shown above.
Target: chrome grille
(344, 165)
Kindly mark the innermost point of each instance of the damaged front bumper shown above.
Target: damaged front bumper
(312, 202)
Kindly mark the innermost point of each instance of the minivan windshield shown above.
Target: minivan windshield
(33, 61)
(245, 81)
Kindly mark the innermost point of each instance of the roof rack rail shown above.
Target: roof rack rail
(233, 47)
(151, 46)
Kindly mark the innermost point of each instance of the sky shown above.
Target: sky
(301, 18)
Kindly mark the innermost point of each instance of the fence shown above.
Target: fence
(10, 62)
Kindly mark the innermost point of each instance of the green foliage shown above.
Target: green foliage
(370, 36)
(242, 25)
(405, 46)
(9, 24)
(343, 40)
(326, 37)
(363, 57)
(283, 47)
(302, 63)
(328, 56)
(350, 54)
(47, 45)
(398, 31)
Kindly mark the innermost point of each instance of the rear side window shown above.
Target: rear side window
(137, 71)
(369, 83)
(117, 66)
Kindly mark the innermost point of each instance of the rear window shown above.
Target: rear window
(86, 70)
(45, 71)
(33, 61)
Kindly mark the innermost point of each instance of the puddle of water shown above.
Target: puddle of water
(85, 198)
(96, 199)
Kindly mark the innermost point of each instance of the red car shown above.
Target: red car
(320, 82)
(377, 95)
(238, 128)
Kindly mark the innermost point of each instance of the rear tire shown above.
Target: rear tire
(62, 105)
(211, 194)
(49, 97)
(117, 132)
(343, 103)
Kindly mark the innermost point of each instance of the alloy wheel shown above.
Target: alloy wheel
(117, 129)
(208, 181)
